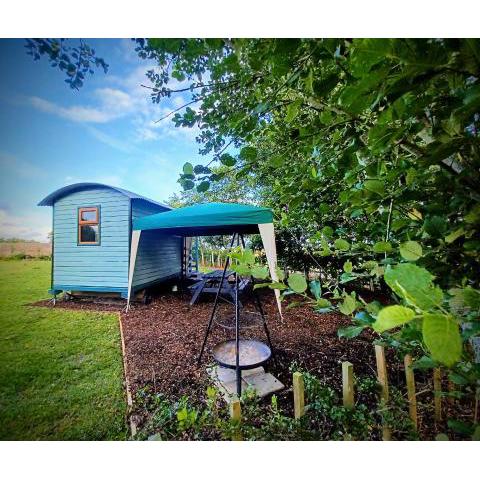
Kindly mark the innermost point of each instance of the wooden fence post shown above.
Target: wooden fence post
(383, 380)
(298, 395)
(437, 388)
(412, 398)
(236, 416)
(347, 379)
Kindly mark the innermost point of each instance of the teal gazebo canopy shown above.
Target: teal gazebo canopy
(207, 219)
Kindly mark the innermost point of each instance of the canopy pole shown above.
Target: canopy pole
(267, 233)
(133, 257)
(217, 295)
(258, 303)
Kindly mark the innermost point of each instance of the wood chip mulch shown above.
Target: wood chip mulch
(163, 340)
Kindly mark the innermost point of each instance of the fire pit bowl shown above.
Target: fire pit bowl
(252, 354)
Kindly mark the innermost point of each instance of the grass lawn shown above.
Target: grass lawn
(60, 371)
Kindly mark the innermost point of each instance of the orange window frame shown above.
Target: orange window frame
(87, 222)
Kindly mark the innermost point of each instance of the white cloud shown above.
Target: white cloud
(126, 98)
(28, 227)
(112, 104)
(109, 140)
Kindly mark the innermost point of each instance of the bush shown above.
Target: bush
(325, 417)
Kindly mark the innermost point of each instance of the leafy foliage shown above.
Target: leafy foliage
(325, 418)
(75, 61)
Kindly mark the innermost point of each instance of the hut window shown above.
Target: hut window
(88, 226)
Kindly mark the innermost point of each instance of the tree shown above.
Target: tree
(76, 61)
(375, 138)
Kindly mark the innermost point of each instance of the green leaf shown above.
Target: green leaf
(323, 303)
(347, 277)
(382, 247)
(457, 379)
(276, 161)
(435, 226)
(188, 168)
(241, 269)
(227, 160)
(348, 266)
(414, 284)
(327, 231)
(411, 251)
(292, 110)
(203, 186)
(460, 427)
(187, 184)
(393, 316)
(350, 332)
(424, 363)
(248, 256)
(450, 238)
(375, 186)
(248, 153)
(442, 338)
(373, 307)
(473, 216)
(316, 289)
(471, 298)
(260, 272)
(441, 437)
(341, 244)
(297, 282)
(277, 286)
(280, 273)
(348, 306)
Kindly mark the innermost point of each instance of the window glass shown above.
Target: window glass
(88, 226)
(89, 215)
(89, 234)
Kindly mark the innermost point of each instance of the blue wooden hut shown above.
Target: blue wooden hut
(92, 229)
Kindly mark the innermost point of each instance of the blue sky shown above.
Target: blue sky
(51, 135)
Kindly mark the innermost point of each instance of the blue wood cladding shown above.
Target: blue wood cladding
(104, 267)
(159, 256)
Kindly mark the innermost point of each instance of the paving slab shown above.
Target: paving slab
(225, 380)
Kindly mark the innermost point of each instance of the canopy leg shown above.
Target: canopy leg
(258, 304)
(217, 295)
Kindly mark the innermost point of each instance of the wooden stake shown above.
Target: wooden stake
(383, 380)
(347, 379)
(236, 416)
(298, 395)
(437, 388)
(412, 398)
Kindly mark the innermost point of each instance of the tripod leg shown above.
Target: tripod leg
(264, 321)
(237, 340)
(217, 295)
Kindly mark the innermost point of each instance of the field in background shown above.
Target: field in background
(61, 371)
(30, 249)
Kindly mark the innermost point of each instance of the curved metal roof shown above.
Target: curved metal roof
(49, 200)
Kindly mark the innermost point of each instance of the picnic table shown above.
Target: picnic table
(209, 283)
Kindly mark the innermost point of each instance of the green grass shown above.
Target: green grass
(60, 371)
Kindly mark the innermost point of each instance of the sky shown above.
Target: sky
(52, 136)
